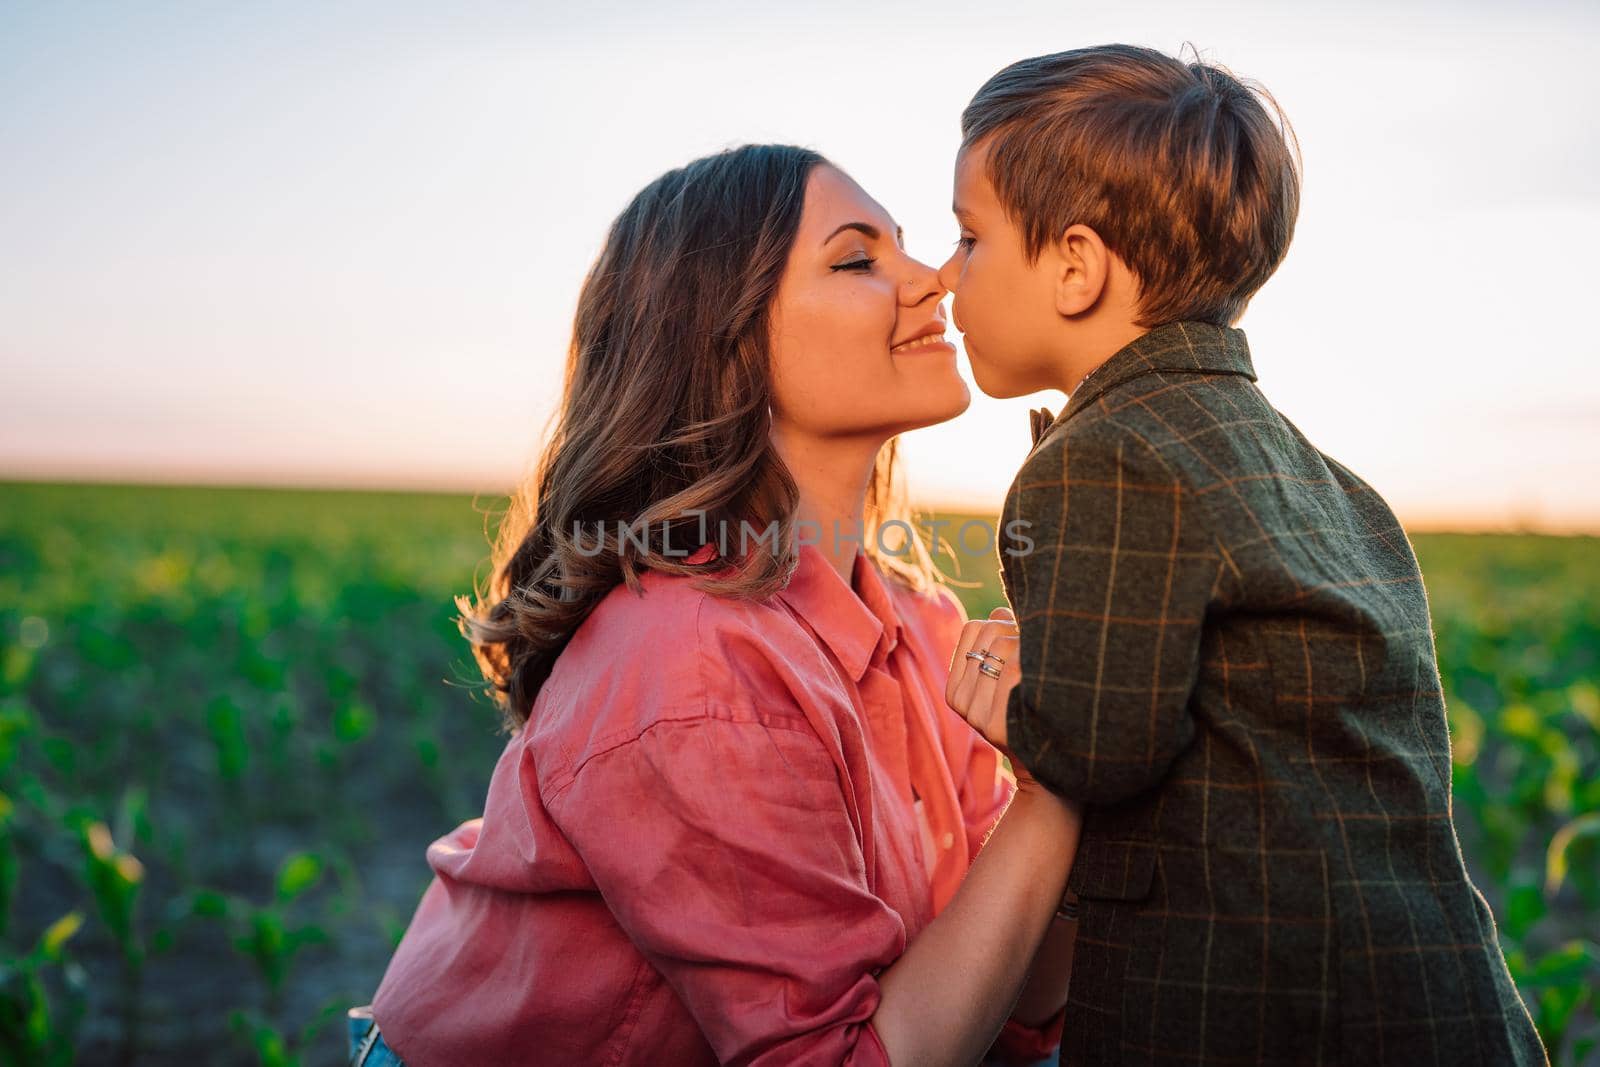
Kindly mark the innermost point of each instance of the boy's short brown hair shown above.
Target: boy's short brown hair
(1178, 167)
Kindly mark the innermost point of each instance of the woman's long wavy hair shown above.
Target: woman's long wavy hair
(664, 426)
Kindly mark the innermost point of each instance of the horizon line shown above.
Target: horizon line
(1414, 521)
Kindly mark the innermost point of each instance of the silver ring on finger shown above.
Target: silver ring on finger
(989, 670)
(990, 655)
(980, 656)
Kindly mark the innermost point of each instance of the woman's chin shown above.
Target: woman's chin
(936, 409)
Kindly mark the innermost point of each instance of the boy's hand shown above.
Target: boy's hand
(974, 694)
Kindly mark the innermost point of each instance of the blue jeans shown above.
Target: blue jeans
(365, 1052)
(1052, 1060)
(362, 1025)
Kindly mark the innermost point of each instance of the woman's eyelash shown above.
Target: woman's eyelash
(965, 242)
(854, 264)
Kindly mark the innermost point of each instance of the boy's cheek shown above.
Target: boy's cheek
(960, 312)
(975, 312)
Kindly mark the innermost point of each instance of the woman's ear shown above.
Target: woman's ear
(1080, 261)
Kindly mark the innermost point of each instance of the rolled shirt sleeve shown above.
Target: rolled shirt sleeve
(1110, 600)
(1021, 1043)
(725, 851)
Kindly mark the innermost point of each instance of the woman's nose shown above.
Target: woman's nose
(924, 281)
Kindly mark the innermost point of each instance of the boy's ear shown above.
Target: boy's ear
(1079, 264)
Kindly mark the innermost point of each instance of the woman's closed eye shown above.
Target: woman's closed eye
(965, 243)
(855, 264)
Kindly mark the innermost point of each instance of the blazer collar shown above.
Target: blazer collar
(1186, 345)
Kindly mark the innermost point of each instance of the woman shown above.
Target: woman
(734, 799)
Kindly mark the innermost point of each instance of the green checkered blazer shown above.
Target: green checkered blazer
(1227, 657)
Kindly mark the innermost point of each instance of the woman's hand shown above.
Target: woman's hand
(975, 695)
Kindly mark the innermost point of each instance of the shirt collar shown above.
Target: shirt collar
(1186, 345)
(857, 622)
(859, 625)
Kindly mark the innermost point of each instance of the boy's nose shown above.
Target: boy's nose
(948, 274)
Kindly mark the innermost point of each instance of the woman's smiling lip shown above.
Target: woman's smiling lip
(931, 336)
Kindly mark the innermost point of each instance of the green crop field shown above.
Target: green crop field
(232, 720)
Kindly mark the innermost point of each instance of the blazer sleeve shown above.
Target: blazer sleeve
(1110, 599)
(725, 851)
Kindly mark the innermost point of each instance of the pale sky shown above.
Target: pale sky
(322, 244)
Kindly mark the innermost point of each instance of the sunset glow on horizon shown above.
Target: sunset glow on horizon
(341, 246)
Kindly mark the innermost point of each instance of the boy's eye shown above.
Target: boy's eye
(965, 243)
(855, 264)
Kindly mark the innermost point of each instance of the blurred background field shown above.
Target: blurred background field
(232, 720)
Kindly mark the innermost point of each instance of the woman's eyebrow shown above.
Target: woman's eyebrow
(868, 229)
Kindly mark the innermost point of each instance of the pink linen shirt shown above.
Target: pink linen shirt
(721, 822)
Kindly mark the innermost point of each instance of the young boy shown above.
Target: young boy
(1225, 647)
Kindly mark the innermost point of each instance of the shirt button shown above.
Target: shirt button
(948, 840)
